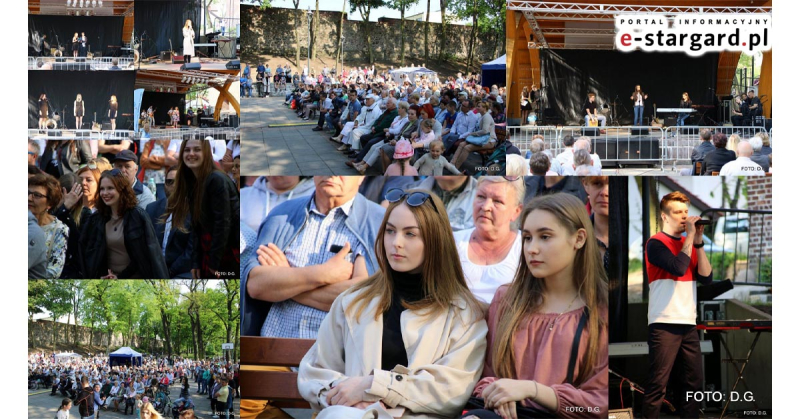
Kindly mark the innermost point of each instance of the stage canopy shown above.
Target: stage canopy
(397, 74)
(494, 72)
(181, 83)
(534, 26)
(124, 356)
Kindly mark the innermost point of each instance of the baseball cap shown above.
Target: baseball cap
(126, 155)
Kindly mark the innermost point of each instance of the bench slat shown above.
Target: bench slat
(269, 385)
(273, 351)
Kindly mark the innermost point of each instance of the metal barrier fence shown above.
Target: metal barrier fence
(226, 133)
(629, 145)
(679, 142)
(79, 134)
(620, 145)
(97, 63)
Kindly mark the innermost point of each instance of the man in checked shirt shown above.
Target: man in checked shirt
(295, 268)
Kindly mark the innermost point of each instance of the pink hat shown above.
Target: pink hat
(403, 150)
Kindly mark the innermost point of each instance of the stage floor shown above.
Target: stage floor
(206, 64)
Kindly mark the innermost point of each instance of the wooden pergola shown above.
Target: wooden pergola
(589, 24)
(66, 8)
(183, 81)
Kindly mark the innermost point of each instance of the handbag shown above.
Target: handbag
(478, 139)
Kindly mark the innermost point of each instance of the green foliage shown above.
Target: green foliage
(765, 271)
(720, 263)
(634, 265)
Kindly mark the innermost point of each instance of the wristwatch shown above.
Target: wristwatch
(698, 246)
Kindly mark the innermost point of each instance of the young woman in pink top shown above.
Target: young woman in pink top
(548, 329)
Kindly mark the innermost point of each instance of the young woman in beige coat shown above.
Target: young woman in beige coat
(410, 340)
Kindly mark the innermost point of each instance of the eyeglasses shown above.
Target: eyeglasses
(31, 153)
(414, 199)
(37, 195)
(512, 178)
(91, 165)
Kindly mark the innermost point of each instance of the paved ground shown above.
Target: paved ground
(293, 150)
(42, 405)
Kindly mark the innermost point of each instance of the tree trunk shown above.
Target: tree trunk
(339, 53)
(315, 25)
(365, 16)
(402, 36)
(427, 22)
(472, 35)
(443, 30)
(297, 35)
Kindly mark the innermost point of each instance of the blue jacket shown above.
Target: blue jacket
(283, 225)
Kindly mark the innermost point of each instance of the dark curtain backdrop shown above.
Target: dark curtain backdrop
(96, 87)
(568, 75)
(618, 258)
(163, 102)
(101, 31)
(162, 21)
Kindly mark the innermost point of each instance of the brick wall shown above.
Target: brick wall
(759, 197)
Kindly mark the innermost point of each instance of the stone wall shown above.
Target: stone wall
(271, 31)
(759, 197)
(42, 330)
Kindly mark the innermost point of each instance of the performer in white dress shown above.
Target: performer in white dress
(188, 41)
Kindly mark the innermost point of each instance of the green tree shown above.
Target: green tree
(37, 295)
(365, 7)
(402, 6)
(57, 302)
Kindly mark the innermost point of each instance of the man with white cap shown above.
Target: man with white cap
(363, 124)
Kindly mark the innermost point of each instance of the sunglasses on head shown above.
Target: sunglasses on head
(413, 199)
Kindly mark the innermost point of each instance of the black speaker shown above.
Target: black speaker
(640, 131)
(56, 133)
(190, 66)
(98, 54)
(82, 134)
(606, 148)
(233, 65)
(72, 66)
(590, 132)
(61, 59)
(639, 148)
(233, 121)
(670, 121)
(166, 56)
(106, 126)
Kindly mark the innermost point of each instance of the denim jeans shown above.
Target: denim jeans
(638, 111)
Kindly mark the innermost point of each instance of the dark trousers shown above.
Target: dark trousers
(669, 343)
(187, 58)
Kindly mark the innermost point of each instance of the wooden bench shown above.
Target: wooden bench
(280, 387)
(698, 168)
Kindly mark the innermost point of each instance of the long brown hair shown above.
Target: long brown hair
(442, 281)
(127, 198)
(526, 293)
(179, 204)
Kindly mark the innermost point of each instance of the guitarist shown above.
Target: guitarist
(753, 104)
(591, 117)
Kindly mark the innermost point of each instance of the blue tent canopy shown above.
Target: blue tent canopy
(124, 356)
(494, 72)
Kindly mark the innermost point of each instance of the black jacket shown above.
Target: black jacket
(85, 402)
(714, 160)
(219, 218)
(699, 152)
(73, 265)
(178, 255)
(69, 162)
(140, 242)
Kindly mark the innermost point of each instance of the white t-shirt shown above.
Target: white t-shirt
(234, 147)
(484, 280)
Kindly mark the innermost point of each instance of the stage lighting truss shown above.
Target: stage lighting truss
(190, 77)
(536, 11)
(83, 7)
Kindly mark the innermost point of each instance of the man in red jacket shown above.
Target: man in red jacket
(674, 266)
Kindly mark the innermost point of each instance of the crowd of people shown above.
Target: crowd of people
(731, 155)
(155, 208)
(495, 279)
(371, 115)
(94, 384)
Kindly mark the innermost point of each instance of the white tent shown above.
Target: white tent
(397, 74)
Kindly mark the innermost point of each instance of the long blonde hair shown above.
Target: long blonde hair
(442, 281)
(187, 24)
(525, 295)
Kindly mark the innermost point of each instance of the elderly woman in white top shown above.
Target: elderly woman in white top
(490, 251)
(373, 154)
(483, 139)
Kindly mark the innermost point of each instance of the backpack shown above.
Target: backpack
(86, 409)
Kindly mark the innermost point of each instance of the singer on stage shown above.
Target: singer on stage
(76, 44)
(674, 265)
(638, 97)
(188, 41)
(113, 107)
(685, 103)
(44, 111)
(78, 110)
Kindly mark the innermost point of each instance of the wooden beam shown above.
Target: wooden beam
(224, 94)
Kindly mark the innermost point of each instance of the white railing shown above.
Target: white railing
(225, 133)
(79, 134)
(679, 142)
(97, 63)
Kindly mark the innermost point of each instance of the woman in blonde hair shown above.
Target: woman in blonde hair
(412, 336)
(548, 329)
(113, 107)
(149, 412)
(733, 143)
(78, 109)
(188, 41)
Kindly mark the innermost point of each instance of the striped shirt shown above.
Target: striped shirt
(290, 319)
